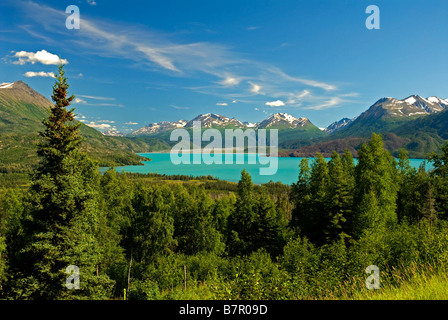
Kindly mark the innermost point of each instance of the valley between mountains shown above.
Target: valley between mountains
(417, 124)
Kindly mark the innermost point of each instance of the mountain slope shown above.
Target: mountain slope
(21, 108)
(290, 129)
(21, 113)
(338, 125)
(417, 124)
(158, 127)
(387, 114)
(212, 120)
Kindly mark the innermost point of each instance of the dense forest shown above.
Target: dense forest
(153, 237)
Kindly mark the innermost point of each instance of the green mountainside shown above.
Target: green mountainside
(21, 113)
(417, 124)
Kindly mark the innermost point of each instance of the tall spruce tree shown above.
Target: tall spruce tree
(242, 221)
(300, 194)
(340, 198)
(376, 187)
(440, 179)
(60, 229)
(317, 218)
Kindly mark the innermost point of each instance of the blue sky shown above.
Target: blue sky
(136, 62)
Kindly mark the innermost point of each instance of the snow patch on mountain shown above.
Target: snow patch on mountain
(6, 85)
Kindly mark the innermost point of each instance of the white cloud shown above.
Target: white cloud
(255, 88)
(157, 51)
(332, 102)
(277, 103)
(221, 104)
(95, 98)
(42, 56)
(91, 2)
(180, 108)
(79, 100)
(230, 81)
(98, 126)
(157, 57)
(105, 105)
(296, 98)
(31, 74)
(308, 82)
(132, 123)
(84, 100)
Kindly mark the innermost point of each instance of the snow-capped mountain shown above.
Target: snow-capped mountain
(411, 106)
(211, 119)
(5, 85)
(283, 120)
(208, 120)
(337, 125)
(159, 127)
(250, 124)
(113, 133)
(388, 113)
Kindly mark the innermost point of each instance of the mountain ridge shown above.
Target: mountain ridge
(22, 110)
(209, 120)
(388, 113)
(415, 123)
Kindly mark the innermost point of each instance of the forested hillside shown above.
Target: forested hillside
(153, 238)
(21, 113)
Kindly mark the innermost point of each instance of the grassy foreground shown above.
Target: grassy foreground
(414, 283)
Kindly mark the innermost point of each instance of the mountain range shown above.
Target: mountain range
(388, 109)
(212, 120)
(22, 110)
(418, 124)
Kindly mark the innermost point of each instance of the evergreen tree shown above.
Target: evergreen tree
(300, 194)
(60, 229)
(376, 187)
(194, 225)
(222, 209)
(241, 225)
(268, 226)
(340, 198)
(440, 179)
(317, 219)
(415, 199)
(149, 229)
(11, 212)
(116, 195)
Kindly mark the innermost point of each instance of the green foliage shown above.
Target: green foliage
(376, 187)
(59, 229)
(160, 237)
(440, 177)
(255, 223)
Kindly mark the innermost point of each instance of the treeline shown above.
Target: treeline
(130, 236)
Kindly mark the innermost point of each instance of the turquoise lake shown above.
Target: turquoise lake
(287, 172)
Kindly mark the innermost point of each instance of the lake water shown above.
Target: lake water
(287, 173)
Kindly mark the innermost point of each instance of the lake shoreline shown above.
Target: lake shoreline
(287, 168)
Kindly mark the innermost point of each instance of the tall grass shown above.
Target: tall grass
(415, 282)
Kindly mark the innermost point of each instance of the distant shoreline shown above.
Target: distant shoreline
(223, 151)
